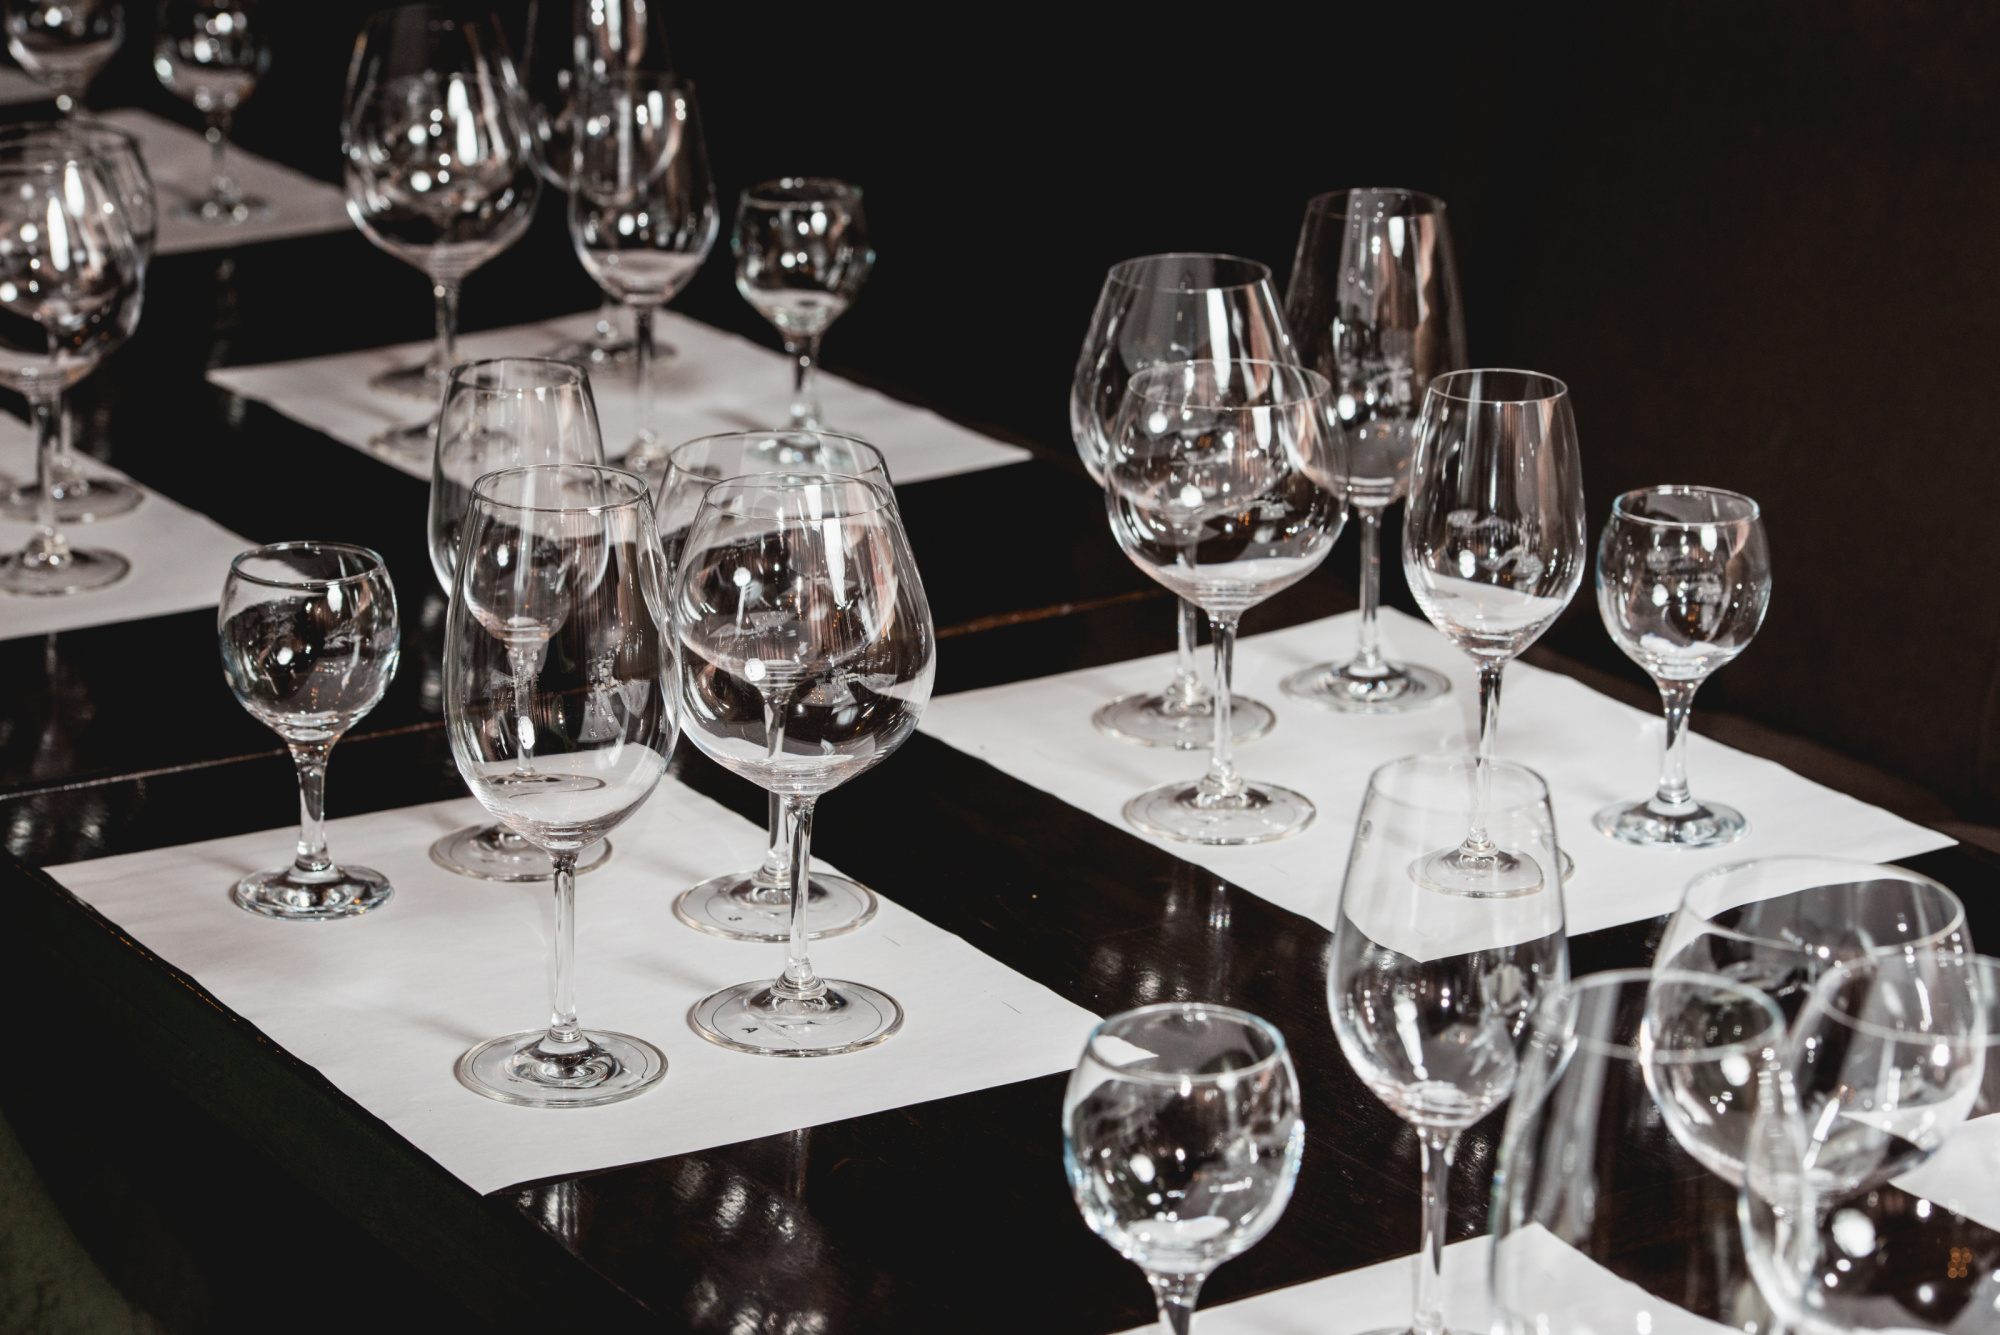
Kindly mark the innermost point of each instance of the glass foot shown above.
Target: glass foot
(534, 1071)
(598, 354)
(490, 853)
(737, 907)
(409, 444)
(224, 210)
(1260, 813)
(79, 500)
(1709, 825)
(1498, 874)
(647, 452)
(750, 1017)
(409, 382)
(343, 892)
(1337, 686)
(1148, 720)
(76, 570)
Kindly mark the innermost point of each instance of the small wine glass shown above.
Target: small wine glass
(802, 254)
(1683, 580)
(808, 657)
(1707, 1046)
(1182, 1138)
(1493, 545)
(63, 43)
(1207, 490)
(560, 565)
(211, 53)
(309, 642)
(510, 412)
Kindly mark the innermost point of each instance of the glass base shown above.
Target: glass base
(1709, 825)
(1337, 686)
(224, 210)
(735, 906)
(751, 1018)
(1495, 875)
(489, 853)
(77, 570)
(409, 382)
(648, 451)
(415, 443)
(596, 355)
(1261, 813)
(601, 1067)
(1146, 720)
(79, 500)
(343, 892)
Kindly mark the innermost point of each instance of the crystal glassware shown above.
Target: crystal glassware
(1431, 987)
(1374, 307)
(808, 656)
(1182, 1138)
(63, 43)
(1683, 580)
(510, 412)
(557, 652)
(1206, 487)
(1171, 308)
(802, 254)
(1493, 544)
(210, 54)
(309, 643)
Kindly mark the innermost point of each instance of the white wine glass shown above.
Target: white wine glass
(64, 43)
(210, 54)
(802, 254)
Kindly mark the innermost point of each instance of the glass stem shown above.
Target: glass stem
(310, 758)
(1477, 842)
(563, 1028)
(221, 188)
(607, 322)
(1175, 1296)
(1438, 1149)
(1673, 798)
(805, 391)
(776, 873)
(521, 667)
(1185, 695)
(48, 546)
(445, 355)
(1222, 782)
(64, 467)
(800, 983)
(1368, 647)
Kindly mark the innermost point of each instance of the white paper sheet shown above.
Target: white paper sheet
(384, 1004)
(714, 381)
(1591, 749)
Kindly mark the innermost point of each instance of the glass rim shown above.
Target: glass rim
(1234, 1014)
(1618, 510)
(1442, 759)
(816, 187)
(1825, 988)
(1124, 272)
(1440, 385)
(573, 374)
(1597, 1047)
(1894, 873)
(775, 433)
(1316, 385)
(481, 494)
(1321, 203)
(796, 480)
(376, 565)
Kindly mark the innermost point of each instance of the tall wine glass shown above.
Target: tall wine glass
(210, 54)
(757, 905)
(808, 657)
(1374, 305)
(309, 641)
(510, 412)
(1683, 579)
(1208, 493)
(63, 43)
(1182, 1139)
(1431, 987)
(1493, 543)
(641, 207)
(440, 169)
(560, 565)
(802, 254)
(1171, 308)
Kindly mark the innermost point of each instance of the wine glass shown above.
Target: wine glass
(560, 567)
(1171, 308)
(802, 254)
(440, 169)
(510, 412)
(757, 905)
(1182, 1138)
(1493, 544)
(211, 53)
(807, 658)
(1374, 306)
(1207, 490)
(641, 207)
(63, 43)
(1431, 987)
(1683, 579)
(309, 643)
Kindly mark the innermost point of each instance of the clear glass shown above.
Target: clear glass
(808, 656)
(642, 210)
(757, 905)
(1493, 542)
(1182, 1137)
(1374, 306)
(1683, 581)
(63, 43)
(1207, 489)
(1601, 1223)
(441, 170)
(558, 659)
(309, 641)
(1172, 308)
(802, 254)
(210, 54)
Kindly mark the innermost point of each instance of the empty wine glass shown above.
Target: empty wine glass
(641, 207)
(309, 642)
(1705, 1046)
(1182, 1138)
(1374, 306)
(1431, 986)
(808, 658)
(1493, 543)
(802, 254)
(64, 43)
(1171, 308)
(211, 53)
(510, 412)
(757, 905)
(1683, 579)
(440, 170)
(1207, 491)
(560, 567)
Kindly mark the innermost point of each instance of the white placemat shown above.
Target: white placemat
(384, 1004)
(714, 381)
(1591, 749)
(18, 88)
(178, 159)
